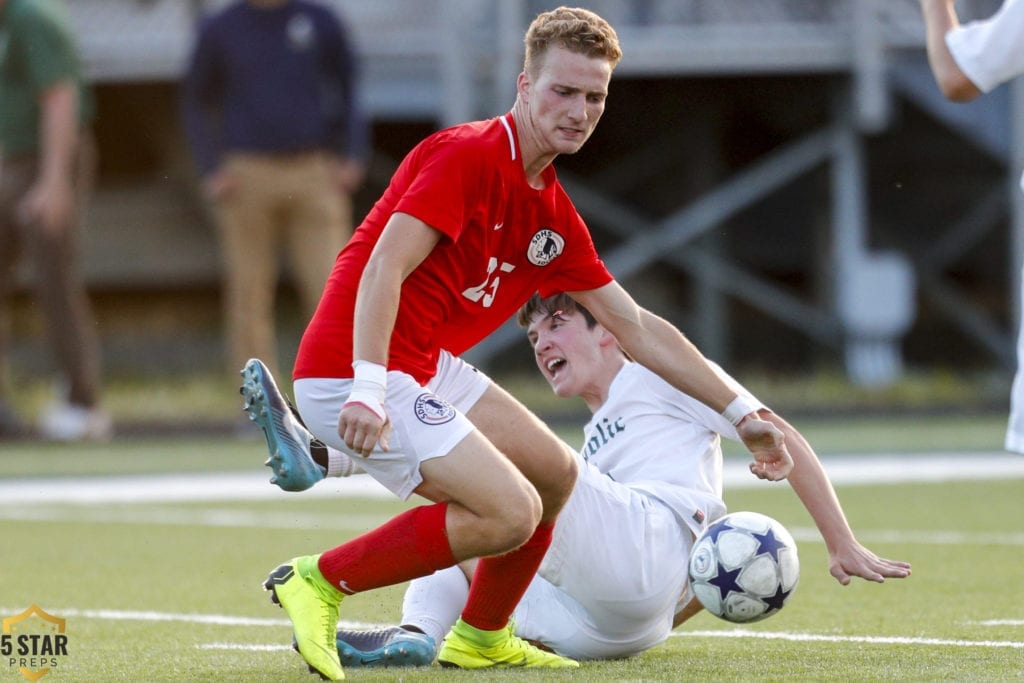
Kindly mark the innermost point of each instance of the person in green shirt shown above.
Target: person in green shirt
(47, 159)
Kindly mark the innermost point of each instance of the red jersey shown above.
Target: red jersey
(503, 240)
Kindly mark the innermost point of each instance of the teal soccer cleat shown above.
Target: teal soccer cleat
(385, 647)
(288, 441)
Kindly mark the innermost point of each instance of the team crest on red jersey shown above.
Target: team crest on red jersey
(545, 246)
(432, 410)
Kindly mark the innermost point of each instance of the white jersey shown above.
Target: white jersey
(989, 51)
(613, 576)
(657, 440)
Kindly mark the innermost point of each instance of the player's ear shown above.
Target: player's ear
(523, 86)
(605, 338)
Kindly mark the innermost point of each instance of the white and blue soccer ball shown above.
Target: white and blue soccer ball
(744, 567)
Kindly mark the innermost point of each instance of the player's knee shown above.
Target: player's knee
(559, 479)
(517, 522)
(570, 470)
(525, 517)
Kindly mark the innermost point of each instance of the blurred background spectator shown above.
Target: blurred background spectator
(272, 114)
(47, 160)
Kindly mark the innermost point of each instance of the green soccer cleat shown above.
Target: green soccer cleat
(312, 605)
(461, 650)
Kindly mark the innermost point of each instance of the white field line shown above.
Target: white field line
(206, 517)
(228, 620)
(843, 470)
(188, 618)
(919, 537)
(247, 647)
(260, 519)
(821, 638)
(997, 622)
(762, 635)
(176, 488)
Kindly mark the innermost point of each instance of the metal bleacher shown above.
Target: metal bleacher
(419, 54)
(452, 60)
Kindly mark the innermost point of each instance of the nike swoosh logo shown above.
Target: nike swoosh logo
(499, 226)
(522, 661)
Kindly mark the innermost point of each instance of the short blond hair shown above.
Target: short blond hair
(575, 29)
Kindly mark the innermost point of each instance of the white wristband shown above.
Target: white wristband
(372, 373)
(369, 387)
(739, 408)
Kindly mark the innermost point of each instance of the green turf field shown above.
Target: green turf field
(169, 590)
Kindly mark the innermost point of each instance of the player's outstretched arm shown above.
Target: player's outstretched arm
(661, 347)
(847, 557)
(939, 18)
(402, 246)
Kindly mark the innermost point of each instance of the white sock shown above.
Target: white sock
(340, 464)
(433, 603)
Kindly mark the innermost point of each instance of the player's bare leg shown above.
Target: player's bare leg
(483, 636)
(546, 461)
(690, 606)
(492, 507)
(474, 515)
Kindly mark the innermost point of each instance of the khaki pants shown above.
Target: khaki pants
(277, 202)
(57, 281)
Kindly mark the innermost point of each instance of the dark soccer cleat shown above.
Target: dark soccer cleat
(288, 440)
(384, 647)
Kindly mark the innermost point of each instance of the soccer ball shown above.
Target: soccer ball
(744, 567)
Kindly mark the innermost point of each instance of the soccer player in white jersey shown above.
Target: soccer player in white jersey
(969, 60)
(613, 582)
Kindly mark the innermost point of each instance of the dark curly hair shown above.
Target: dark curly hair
(549, 306)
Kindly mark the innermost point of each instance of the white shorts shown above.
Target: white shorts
(427, 422)
(610, 583)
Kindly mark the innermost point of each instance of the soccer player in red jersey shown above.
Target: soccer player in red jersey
(472, 224)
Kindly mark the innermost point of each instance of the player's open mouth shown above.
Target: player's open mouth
(554, 365)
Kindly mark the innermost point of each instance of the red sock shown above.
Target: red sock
(499, 582)
(413, 544)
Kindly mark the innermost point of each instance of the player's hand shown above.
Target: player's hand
(348, 174)
(49, 204)
(767, 443)
(361, 428)
(219, 185)
(856, 560)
